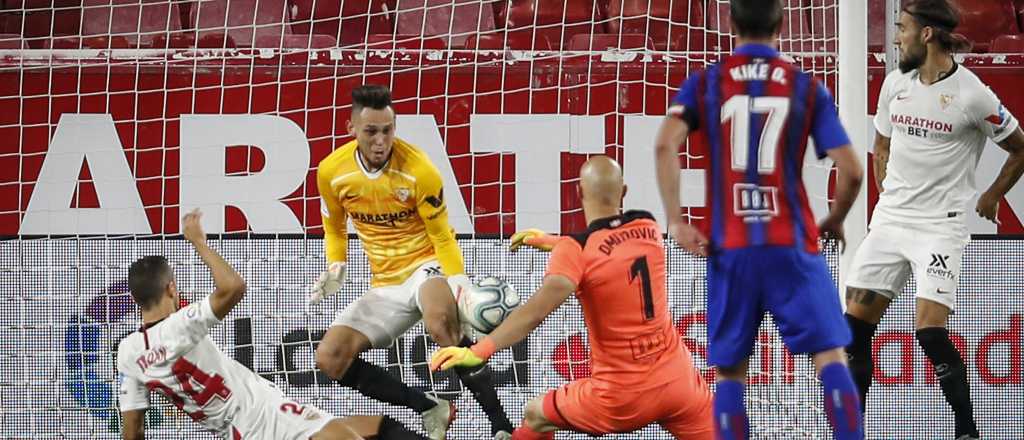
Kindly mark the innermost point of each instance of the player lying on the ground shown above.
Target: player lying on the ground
(393, 194)
(642, 373)
(938, 116)
(755, 112)
(173, 354)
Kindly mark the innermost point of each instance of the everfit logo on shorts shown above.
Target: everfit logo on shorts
(939, 261)
(939, 267)
(756, 204)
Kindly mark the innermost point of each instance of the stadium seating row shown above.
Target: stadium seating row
(495, 24)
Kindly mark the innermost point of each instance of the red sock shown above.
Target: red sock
(525, 433)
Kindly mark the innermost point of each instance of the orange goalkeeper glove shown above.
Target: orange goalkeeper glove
(534, 238)
(449, 357)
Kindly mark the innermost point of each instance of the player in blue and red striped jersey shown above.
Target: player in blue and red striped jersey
(753, 112)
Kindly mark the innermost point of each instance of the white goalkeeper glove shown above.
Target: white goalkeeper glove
(328, 283)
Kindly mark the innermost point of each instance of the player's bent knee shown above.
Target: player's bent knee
(823, 358)
(442, 328)
(930, 314)
(733, 372)
(533, 416)
(332, 360)
(337, 429)
(866, 305)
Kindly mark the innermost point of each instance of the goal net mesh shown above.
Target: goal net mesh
(160, 79)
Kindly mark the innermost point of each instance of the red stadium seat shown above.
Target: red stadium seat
(138, 22)
(1007, 44)
(94, 42)
(797, 32)
(350, 22)
(294, 41)
(1020, 15)
(41, 19)
(389, 41)
(174, 41)
(983, 20)
(501, 41)
(12, 41)
(672, 24)
(453, 21)
(718, 25)
(558, 20)
(244, 21)
(610, 41)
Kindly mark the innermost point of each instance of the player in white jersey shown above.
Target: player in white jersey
(934, 118)
(172, 354)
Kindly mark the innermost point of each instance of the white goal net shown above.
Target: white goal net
(119, 115)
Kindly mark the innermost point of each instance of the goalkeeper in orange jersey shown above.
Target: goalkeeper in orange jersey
(642, 373)
(393, 194)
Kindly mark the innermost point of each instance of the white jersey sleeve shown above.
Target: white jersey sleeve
(990, 116)
(882, 122)
(188, 326)
(131, 393)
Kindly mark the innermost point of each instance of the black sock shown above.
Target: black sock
(479, 380)
(952, 374)
(859, 355)
(391, 429)
(373, 381)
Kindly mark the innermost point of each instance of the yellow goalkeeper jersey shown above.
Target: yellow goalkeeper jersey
(398, 212)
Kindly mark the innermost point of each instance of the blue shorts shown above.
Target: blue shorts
(792, 284)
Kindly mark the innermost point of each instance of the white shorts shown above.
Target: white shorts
(278, 417)
(890, 252)
(383, 314)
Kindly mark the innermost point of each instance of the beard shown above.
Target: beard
(913, 58)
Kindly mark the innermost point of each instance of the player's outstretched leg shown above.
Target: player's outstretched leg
(440, 317)
(730, 412)
(842, 405)
(949, 367)
(338, 357)
(864, 309)
(370, 427)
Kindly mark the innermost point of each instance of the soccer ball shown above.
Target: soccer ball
(487, 304)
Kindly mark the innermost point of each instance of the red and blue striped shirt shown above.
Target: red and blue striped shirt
(752, 113)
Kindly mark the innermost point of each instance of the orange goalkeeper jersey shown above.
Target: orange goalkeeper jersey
(618, 266)
(398, 212)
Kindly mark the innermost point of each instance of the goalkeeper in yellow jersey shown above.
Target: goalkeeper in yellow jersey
(393, 194)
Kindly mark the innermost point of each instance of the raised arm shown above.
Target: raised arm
(552, 293)
(229, 287)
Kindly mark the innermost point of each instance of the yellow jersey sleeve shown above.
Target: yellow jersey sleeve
(434, 212)
(335, 219)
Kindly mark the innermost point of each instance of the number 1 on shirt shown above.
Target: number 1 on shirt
(639, 267)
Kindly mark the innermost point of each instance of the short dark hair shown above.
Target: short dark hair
(373, 96)
(147, 278)
(943, 17)
(756, 18)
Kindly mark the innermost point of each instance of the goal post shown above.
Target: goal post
(852, 97)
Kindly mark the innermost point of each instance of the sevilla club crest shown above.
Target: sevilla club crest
(402, 194)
